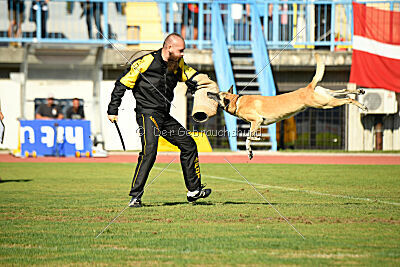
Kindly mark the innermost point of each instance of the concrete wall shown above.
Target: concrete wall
(10, 107)
(127, 117)
(361, 131)
(10, 104)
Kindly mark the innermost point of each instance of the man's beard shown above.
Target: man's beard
(172, 65)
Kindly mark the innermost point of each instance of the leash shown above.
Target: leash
(120, 135)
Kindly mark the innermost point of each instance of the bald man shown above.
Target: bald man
(152, 79)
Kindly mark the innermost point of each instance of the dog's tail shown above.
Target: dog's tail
(319, 73)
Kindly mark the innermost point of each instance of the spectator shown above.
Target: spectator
(190, 16)
(49, 111)
(40, 5)
(94, 9)
(16, 10)
(76, 111)
(70, 7)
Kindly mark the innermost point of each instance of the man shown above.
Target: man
(190, 16)
(76, 111)
(16, 10)
(49, 111)
(42, 6)
(152, 79)
(95, 10)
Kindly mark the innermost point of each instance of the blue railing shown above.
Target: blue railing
(264, 71)
(301, 24)
(222, 62)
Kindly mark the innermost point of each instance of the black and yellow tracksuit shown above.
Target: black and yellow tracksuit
(152, 85)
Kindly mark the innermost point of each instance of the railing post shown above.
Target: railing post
(275, 24)
(230, 27)
(38, 21)
(105, 14)
(171, 17)
(200, 35)
(333, 13)
(163, 10)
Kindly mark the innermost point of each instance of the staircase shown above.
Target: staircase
(244, 72)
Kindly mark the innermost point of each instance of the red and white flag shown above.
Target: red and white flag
(376, 48)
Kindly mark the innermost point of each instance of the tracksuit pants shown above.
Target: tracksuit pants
(151, 126)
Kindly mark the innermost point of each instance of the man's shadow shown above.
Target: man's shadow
(15, 181)
(200, 203)
(179, 203)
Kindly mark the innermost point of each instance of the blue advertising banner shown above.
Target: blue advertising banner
(55, 138)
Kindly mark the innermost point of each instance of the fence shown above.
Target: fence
(289, 24)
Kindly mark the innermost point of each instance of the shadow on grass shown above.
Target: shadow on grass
(245, 203)
(179, 203)
(15, 181)
(207, 203)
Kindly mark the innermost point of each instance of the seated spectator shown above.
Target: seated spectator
(76, 111)
(49, 111)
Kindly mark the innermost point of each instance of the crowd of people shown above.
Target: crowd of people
(51, 111)
(16, 15)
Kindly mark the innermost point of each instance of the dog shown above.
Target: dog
(265, 110)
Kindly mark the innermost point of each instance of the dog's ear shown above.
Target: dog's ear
(213, 96)
(230, 90)
(226, 102)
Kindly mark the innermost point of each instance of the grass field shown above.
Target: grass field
(51, 213)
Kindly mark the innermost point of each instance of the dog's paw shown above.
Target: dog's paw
(250, 154)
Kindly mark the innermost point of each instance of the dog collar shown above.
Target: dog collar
(234, 100)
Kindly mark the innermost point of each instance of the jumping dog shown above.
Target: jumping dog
(266, 110)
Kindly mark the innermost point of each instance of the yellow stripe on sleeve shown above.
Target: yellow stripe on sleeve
(139, 66)
(187, 71)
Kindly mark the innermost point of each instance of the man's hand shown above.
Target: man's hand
(113, 118)
(191, 85)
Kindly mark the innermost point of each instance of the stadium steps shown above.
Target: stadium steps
(244, 73)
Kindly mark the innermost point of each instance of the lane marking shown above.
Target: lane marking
(311, 192)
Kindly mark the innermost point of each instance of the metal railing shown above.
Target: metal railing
(305, 24)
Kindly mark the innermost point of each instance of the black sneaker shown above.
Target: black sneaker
(135, 203)
(200, 193)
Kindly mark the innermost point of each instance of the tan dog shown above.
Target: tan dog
(266, 110)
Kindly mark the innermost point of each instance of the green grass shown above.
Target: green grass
(51, 213)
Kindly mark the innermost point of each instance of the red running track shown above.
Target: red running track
(266, 158)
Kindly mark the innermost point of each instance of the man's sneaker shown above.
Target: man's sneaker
(200, 193)
(135, 203)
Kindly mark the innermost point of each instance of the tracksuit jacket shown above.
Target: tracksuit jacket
(152, 85)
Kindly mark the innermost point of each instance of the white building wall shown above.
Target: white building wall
(361, 131)
(10, 104)
(10, 107)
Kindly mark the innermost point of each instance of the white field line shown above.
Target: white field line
(293, 189)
